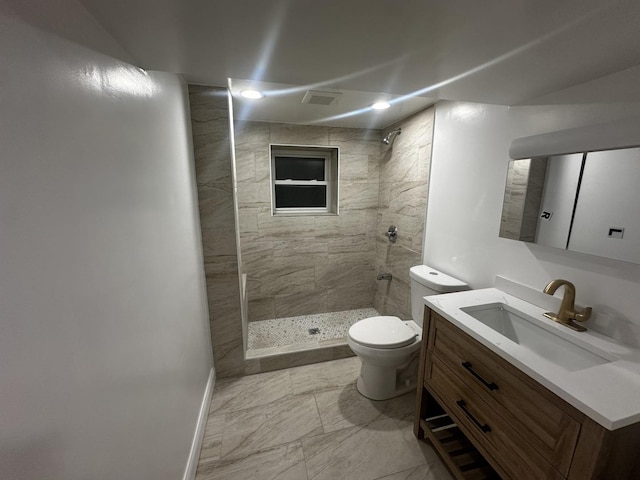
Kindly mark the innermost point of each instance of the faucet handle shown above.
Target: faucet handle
(584, 315)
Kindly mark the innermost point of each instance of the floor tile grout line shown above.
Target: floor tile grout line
(318, 412)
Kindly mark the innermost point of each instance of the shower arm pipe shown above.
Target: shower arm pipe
(391, 136)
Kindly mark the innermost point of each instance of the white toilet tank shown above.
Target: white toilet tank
(429, 281)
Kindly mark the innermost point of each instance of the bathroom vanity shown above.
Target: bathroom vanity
(501, 396)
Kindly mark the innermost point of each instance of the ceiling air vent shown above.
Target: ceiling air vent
(316, 97)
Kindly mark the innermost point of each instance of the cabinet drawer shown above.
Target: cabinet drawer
(523, 403)
(493, 431)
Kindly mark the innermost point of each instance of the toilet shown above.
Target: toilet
(389, 347)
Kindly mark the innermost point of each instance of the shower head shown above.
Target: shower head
(388, 140)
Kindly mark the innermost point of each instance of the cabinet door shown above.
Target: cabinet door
(531, 409)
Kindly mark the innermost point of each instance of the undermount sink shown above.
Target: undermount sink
(526, 331)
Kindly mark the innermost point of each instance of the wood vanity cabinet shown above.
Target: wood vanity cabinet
(487, 419)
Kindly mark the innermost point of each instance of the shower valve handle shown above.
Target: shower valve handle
(392, 233)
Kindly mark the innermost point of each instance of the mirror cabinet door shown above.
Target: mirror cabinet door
(584, 202)
(607, 216)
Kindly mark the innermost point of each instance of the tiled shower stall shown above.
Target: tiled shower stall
(298, 267)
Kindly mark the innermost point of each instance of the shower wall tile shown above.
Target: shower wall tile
(252, 192)
(339, 299)
(410, 229)
(263, 167)
(291, 228)
(354, 167)
(207, 171)
(287, 279)
(283, 249)
(358, 141)
(371, 221)
(259, 254)
(262, 308)
(347, 223)
(283, 133)
(245, 166)
(303, 303)
(384, 196)
(251, 136)
(291, 261)
(358, 195)
(215, 208)
(248, 221)
(424, 161)
(373, 168)
(408, 198)
(347, 244)
(217, 242)
(399, 164)
(338, 273)
(402, 201)
(210, 127)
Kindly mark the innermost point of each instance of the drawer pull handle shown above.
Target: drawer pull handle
(490, 386)
(463, 405)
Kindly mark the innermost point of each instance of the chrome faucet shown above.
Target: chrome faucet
(567, 313)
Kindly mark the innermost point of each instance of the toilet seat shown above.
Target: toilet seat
(382, 332)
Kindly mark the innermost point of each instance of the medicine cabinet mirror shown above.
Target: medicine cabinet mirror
(583, 202)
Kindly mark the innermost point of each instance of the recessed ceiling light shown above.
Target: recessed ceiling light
(252, 94)
(381, 105)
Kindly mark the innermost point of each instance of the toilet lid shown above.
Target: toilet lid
(382, 332)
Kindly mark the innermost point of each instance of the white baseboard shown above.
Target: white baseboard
(196, 444)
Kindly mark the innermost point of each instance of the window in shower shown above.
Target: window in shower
(304, 180)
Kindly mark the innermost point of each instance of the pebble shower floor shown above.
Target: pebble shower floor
(294, 331)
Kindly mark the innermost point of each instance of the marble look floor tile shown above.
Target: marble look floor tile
(435, 471)
(346, 407)
(251, 391)
(361, 453)
(212, 440)
(259, 429)
(406, 430)
(324, 376)
(285, 462)
(262, 427)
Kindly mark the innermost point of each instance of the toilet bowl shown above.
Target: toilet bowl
(388, 347)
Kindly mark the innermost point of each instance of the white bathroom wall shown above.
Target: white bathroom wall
(104, 345)
(469, 166)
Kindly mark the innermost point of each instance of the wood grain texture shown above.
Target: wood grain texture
(421, 403)
(531, 409)
(533, 434)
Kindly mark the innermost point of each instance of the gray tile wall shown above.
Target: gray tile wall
(305, 265)
(210, 125)
(402, 201)
(300, 265)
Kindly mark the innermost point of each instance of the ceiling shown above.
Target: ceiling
(510, 52)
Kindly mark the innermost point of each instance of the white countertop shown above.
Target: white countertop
(608, 393)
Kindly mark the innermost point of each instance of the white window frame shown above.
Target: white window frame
(330, 155)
